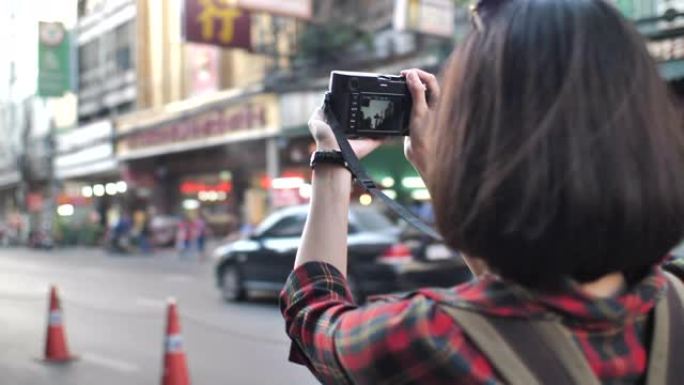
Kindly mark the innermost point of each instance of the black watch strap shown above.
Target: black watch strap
(328, 157)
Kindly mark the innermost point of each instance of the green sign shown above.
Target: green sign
(54, 72)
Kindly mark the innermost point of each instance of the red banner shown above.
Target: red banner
(213, 22)
(34, 201)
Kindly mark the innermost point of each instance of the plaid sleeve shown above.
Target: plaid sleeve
(314, 297)
(407, 341)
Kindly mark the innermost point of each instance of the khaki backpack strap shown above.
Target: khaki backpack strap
(560, 341)
(667, 345)
(486, 337)
(527, 351)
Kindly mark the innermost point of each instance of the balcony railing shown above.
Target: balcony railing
(656, 19)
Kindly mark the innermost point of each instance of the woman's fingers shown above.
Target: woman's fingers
(430, 83)
(418, 90)
(433, 88)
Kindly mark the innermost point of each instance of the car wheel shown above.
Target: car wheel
(232, 288)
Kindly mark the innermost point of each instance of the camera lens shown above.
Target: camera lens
(354, 84)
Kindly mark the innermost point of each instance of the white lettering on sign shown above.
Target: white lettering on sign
(668, 49)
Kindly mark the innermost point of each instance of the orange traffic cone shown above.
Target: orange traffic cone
(56, 349)
(175, 366)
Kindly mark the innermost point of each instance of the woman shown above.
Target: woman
(554, 158)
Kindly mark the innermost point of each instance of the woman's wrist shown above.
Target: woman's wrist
(416, 155)
(330, 174)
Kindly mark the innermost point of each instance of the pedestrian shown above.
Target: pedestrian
(554, 160)
(121, 235)
(184, 236)
(199, 231)
(145, 234)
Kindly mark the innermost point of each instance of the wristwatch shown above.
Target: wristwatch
(328, 157)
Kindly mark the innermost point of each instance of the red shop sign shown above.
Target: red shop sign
(209, 124)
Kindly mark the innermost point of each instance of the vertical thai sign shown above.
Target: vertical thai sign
(53, 60)
(216, 23)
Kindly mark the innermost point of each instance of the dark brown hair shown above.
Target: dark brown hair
(559, 150)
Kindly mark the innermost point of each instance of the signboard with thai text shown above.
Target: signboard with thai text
(246, 119)
(54, 64)
(216, 23)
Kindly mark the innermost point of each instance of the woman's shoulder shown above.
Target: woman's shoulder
(416, 329)
(487, 295)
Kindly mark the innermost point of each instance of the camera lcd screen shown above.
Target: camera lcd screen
(380, 113)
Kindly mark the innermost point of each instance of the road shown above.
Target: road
(114, 312)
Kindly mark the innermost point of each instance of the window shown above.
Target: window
(88, 59)
(123, 37)
(292, 226)
(82, 8)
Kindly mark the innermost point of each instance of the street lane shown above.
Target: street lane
(114, 311)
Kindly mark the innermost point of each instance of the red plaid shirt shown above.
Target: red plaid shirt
(411, 340)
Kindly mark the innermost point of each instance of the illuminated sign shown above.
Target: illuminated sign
(194, 187)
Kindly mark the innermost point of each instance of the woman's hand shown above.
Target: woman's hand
(425, 92)
(325, 138)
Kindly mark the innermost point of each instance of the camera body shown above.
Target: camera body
(370, 105)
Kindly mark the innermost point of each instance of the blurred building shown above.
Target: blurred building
(195, 106)
(30, 114)
(212, 118)
(662, 23)
(203, 136)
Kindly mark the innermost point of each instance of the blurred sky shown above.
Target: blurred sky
(19, 38)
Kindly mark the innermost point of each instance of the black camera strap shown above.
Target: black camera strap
(359, 173)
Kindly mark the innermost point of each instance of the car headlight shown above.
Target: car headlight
(220, 251)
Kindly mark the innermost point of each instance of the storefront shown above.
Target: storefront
(209, 160)
(11, 221)
(90, 189)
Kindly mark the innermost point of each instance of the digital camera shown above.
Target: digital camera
(370, 105)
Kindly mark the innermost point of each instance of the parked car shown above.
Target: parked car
(379, 262)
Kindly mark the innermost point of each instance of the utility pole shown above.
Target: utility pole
(50, 207)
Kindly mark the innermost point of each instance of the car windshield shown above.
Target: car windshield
(371, 220)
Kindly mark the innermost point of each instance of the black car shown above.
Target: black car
(379, 262)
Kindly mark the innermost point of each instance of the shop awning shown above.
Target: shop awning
(9, 179)
(102, 167)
